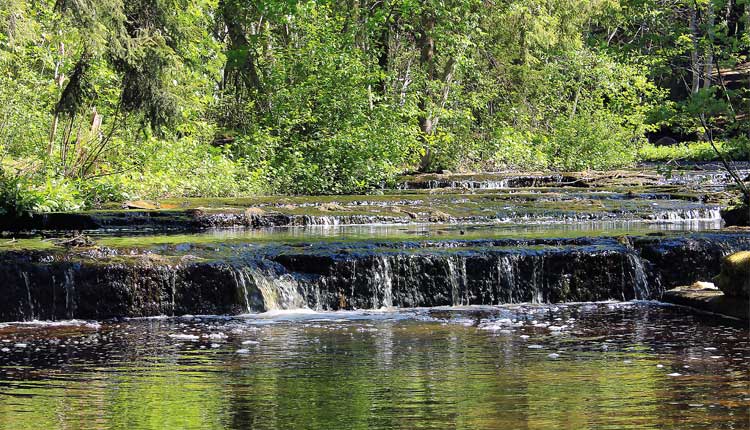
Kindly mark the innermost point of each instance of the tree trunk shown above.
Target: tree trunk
(240, 69)
(709, 61)
(426, 44)
(694, 54)
(59, 79)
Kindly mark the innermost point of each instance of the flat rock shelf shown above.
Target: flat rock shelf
(218, 277)
(432, 240)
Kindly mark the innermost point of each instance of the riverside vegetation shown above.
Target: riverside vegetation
(495, 215)
(111, 100)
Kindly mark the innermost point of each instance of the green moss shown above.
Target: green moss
(25, 244)
(734, 279)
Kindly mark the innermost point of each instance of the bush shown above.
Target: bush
(591, 141)
(182, 168)
(736, 149)
(20, 196)
(517, 150)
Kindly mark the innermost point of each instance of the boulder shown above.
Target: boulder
(666, 141)
(438, 216)
(709, 300)
(734, 279)
(736, 216)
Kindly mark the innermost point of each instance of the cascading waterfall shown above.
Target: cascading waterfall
(480, 185)
(507, 277)
(27, 283)
(436, 280)
(456, 267)
(280, 291)
(69, 286)
(440, 273)
(639, 279)
(168, 279)
(321, 220)
(240, 280)
(381, 282)
(538, 294)
(695, 214)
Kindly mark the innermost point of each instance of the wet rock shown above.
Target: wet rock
(76, 241)
(734, 279)
(736, 216)
(140, 204)
(254, 212)
(672, 262)
(712, 301)
(701, 286)
(332, 207)
(80, 284)
(438, 216)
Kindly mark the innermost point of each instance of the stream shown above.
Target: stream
(486, 301)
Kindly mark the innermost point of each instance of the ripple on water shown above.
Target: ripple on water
(594, 365)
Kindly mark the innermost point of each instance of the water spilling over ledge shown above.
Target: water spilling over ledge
(469, 209)
(185, 279)
(438, 240)
(636, 195)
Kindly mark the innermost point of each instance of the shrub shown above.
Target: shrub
(595, 141)
(736, 149)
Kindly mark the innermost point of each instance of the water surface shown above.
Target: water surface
(577, 366)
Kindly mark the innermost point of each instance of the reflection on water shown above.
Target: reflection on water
(581, 366)
(409, 231)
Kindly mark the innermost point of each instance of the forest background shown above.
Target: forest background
(108, 100)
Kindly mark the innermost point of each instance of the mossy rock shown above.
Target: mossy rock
(734, 279)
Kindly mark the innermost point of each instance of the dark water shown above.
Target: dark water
(617, 366)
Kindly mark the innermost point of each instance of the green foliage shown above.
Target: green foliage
(597, 141)
(20, 196)
(114, 99)
(736, 149)
(325, 133)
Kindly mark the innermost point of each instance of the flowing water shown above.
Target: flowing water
(638, 365)
(441, 305)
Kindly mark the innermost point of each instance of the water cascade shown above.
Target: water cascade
(367, 275)
(279, 290)
(69, 286)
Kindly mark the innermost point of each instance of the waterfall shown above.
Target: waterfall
(173, 279)
(456, 268)
(27, 282)
(481, 185)
(507, 278)
(639, 280)
(280, 291)
(711, 213)
(381, 282)
(240, 280)
(342, 276)
(167, 276)
(538, 293)
(69, 286)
